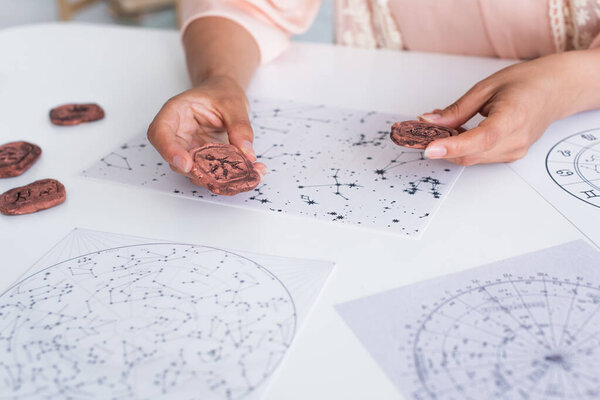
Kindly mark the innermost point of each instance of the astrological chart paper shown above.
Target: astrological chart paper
(564, 167)
(323, 162)
(108, 316)
(526, 328)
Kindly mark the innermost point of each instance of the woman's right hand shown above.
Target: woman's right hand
(214, 111)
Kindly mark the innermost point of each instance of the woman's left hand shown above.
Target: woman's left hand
(519, 103)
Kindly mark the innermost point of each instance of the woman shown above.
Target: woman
(226, 40)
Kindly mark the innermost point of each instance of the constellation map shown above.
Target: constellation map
(321, 161)
(564, 167)
(526, 328)
(574, 164)
(110, 316)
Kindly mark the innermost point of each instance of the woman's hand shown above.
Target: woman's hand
(222, 57)
(519, 103)
(214, 111)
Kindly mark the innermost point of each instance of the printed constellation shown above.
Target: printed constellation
(114, 160)
(337, 185)
(526, 328)
(516, 338)
(399, 161)
(144, 322)
(431, 182)
(381, 138)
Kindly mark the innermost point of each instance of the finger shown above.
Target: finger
(464, 108)
(485, 158)
(511, 148)
(496, 156)
(261, 169)
(163, 136)
(481, 139)
(239, 130)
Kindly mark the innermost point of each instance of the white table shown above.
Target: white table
(491, 214)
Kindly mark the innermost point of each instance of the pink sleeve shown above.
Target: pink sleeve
(270, 22)
(596, 42)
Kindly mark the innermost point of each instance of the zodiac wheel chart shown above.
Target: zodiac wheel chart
(144, 321)
(574, 164)
(514, 338)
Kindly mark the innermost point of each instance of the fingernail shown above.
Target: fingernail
(181, 164)
(435, 152)
(248, 150)
(430, 117)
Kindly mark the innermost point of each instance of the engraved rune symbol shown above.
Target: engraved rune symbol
(46, 192)
(9, 155)
(23, 195)
(222, 165)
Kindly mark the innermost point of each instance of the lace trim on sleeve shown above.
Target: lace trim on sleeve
(575, 23)
(366, 23)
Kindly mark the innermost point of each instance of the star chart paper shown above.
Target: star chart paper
(328, 163)
(526, 328)
(109, 316)
(564, 167)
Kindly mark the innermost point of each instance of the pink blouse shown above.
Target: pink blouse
(497, 28)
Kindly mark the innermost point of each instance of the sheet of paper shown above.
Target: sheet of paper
(564, 167)
(523, 328)
(109, 316)
(323, 162)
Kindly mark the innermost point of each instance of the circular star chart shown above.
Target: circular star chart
(514, 338)
(169, 321)
(574, 164)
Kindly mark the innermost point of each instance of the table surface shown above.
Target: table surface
(490, 215)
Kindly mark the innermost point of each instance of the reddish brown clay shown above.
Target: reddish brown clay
(75, 114)
(31, 198)
(17, 157)
(223, 169)
(418, 134)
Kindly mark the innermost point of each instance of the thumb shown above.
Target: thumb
(463, 109)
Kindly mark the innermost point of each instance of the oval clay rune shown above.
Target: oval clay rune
(223, 169)
(418, 134)
(75, 114)
(17, 157)
(36, 196)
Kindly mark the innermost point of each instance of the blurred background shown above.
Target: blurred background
(161, 14)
